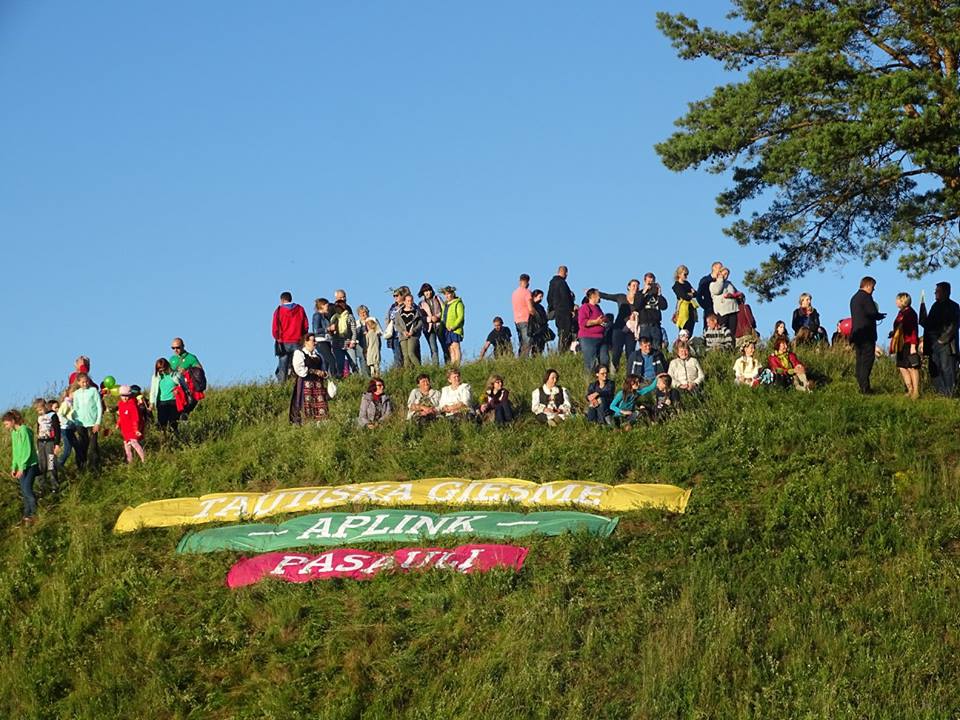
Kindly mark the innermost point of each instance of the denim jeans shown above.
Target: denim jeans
(652, 332)
(26, 491)
(354, 357)
(943, 369)
(594, 350)
(67, 438)
(433, 341)
(284, 362)
(325, 351)
(394, 344)
(523, 335)
(623, 343)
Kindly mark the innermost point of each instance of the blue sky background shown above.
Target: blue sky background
(167, 169)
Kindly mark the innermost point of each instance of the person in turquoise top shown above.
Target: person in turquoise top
(163, 394)
(88, 414)
(24, 466)
(626, 408)
(181, 359)
(453, 321)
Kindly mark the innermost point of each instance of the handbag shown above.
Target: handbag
(331, 389)
(896, 340)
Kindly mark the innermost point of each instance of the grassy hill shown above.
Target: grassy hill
(814, 574)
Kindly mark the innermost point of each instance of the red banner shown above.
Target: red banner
(364, 564)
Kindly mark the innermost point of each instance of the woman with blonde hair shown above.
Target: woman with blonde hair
(685, 316)
(806, 322)
(496, 405)
(903, 344)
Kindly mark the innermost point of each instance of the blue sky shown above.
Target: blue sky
(168, 169)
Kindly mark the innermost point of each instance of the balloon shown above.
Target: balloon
(110, 382)
(115, 391)
(846, 326)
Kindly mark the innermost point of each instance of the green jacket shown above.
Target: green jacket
(24, 452)
(454, 315)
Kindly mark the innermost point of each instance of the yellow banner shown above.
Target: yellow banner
(230, 506)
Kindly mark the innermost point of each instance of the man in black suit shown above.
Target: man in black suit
(704, 297)
(863, 335)
(560, 306)
(940, 339)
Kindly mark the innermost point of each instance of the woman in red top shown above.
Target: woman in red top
(786, 368)
(904, 345)
(592, 323)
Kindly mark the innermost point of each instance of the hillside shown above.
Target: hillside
(814, 573)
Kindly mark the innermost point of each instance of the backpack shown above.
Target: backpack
(343, 325)
(198, 377)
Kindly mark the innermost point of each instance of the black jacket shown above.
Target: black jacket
(559, 297)
(704, 296)
(799, 317)
(865, 316)
(651, 306)
(940, 325)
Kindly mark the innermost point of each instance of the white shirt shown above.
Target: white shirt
(686, 372)
(449, 396)
(746, 369)
(539, 408)
(299, 361)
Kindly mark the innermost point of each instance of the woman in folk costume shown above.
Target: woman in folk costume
(309, 399)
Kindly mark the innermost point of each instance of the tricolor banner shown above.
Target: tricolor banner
(336, 529)
(364, 564)
(232, 506)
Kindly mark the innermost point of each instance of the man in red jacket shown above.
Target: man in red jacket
(289, 326)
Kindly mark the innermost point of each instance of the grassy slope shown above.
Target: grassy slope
(814, 573)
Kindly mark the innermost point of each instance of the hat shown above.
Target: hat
(683, 334)
(125, 391)
(448, 289)
(135, 390)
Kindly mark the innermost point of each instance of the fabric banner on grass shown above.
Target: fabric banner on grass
(335, 529)
(364, 564)
(229, 506)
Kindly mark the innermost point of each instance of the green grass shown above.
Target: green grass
(814, 574)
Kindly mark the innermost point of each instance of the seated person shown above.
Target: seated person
(423, 404)
(787, 370)
(550, 402)
(685, 372)
(599, 396)
(717, 336)
(500, 338)
(375, 405)
(455, 398)
(746, 368)
(625, 410)
(496, 405)
(667, 397)
(648, 361)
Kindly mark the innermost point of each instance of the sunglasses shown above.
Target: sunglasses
(176, 347)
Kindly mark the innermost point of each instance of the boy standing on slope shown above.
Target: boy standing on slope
(48, 444)
(23, 467)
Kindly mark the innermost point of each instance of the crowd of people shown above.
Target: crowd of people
(319, 349)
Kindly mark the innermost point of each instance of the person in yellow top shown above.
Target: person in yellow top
(453, 321)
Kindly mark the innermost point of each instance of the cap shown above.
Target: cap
(125, 391)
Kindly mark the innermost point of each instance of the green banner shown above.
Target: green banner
(328, 529)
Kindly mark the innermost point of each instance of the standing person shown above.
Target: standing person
(48, 444)
(540, 332)
(522, 301)
(409, 325)
(323, 329)
(726, 300)
(343, 338)
(652, 305)
(453, 322)
(375, 405)
(940, 340)
(130, 424)
(370, 333)
(163, 395)
(864, 315)
(432, 312)
(80, 365)
(622, 340)
(309, 399)
(88, 412)
(23, 465)
(592, 324)
(289, 325)
(904, 344)
(390, 328)
(182, 360)
(499, 339)
(560, 307)
(686, 316)
(64, 411)
(704, 297)
(340, 296)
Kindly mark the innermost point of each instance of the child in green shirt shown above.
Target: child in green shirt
(24, 465)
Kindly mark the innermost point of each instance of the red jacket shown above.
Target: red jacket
(129, 422)
(907, 321)
(774, 363)
(290, 323)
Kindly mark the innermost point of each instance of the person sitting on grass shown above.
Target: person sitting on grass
(375, 405)
(456, 401)
(648, 361)
(626, 410)
(499, 339)
(667, 398)
(717, 336)
(23, 467)
(423, 403)
(685, 371)
(786, 368)
(746, 368)
(599, 396)
(496, 405)
(550, 402)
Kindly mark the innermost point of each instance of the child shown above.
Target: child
(24, 464)
(130, 424)
(48, 445)
(667, 397)
(717, 336)
(500, 338)
(371, 341)
(625, 410)
(746, 368)
(64, 411)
